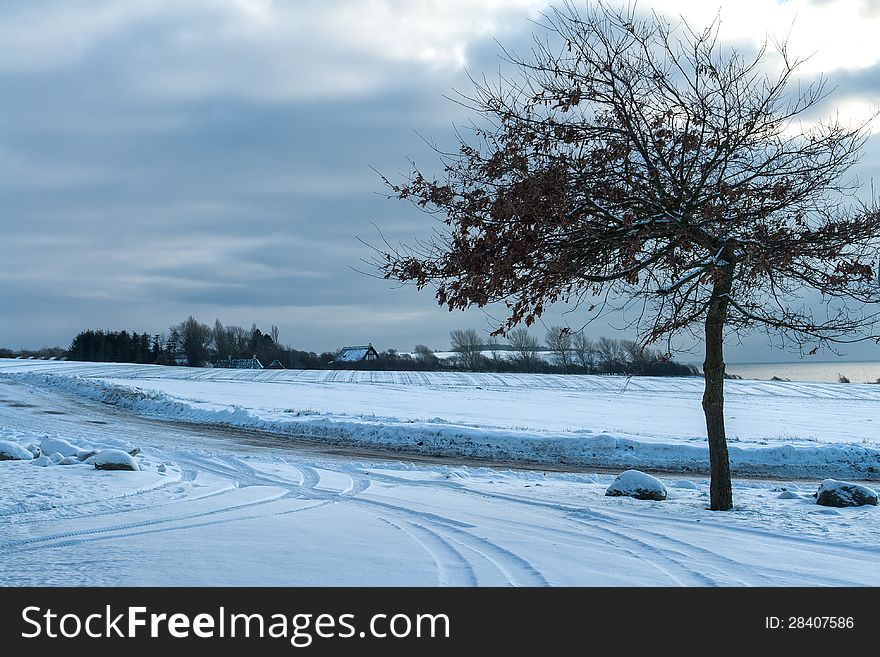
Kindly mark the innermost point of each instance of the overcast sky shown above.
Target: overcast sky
(161, 158)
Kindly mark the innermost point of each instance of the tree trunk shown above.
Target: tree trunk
(720, 489)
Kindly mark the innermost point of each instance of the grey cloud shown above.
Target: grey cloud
(157, 161)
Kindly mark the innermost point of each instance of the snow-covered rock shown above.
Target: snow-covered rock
(686, 484)
(788, 495)
(114, 459)
(58, 445)
(637, 484)
(57, 457)
(10, 451)
(842, 493)
(43, 461)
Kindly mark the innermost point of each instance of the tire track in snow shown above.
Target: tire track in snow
(516, 570)
(679, 570)
(11, 546)
(162, 529)
(452, 568)
(76, 504)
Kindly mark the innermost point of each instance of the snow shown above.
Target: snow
(352, 354)
(13, 452)
(59, 446)
(113, 459)
(775, 429)
(283, 478)
(637, 484)
(845, 493)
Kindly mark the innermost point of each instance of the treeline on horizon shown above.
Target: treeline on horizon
(197, 344)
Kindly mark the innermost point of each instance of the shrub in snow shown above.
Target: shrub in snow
(53, 445)
(639, 485)
(13, 452)
(113, 459)
(841, 493)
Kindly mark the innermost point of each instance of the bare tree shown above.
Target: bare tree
(468, 347)
(223, 345)
(526, 347)
(561, 344)
(425, 357)
(584, 351)
(493, 345)
(192, 338)
(611, 355)
(637, 356)
(630, 161)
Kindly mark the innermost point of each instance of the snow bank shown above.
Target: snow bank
(113, 459)
(10, 451)
(59, 446)
(581, 448)
(639, 485)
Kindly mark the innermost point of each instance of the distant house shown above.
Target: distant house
(275, 365)
(356, 354)
(240, 363)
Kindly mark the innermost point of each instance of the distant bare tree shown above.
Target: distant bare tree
(611, 356)
(584, 351)
(526, 347)
(192, 338)
(493, 345)
(425, 357)
(633, 162)
(560, 342)
(468, 346)
(637, 356)
(222, 343)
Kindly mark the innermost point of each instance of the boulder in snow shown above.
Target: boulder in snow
(114, 459)
(841, 493)
(637, 484)
(43, 461)
(10, 451)
(58, 445)
(788, 495)
(686, 484)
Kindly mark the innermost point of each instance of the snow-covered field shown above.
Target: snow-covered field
(291, 477)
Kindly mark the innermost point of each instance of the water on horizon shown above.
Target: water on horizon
(806, 370)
